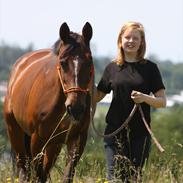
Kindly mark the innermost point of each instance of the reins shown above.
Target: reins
(125, 124)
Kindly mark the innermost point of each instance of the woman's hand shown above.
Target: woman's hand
(157, 100)
(137, 96)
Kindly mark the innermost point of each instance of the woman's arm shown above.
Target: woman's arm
(98, 95)
(157, 100)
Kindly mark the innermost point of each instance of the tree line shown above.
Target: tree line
(167, 124)
(171, 72)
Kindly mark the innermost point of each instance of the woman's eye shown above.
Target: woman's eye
(127, 37)
(135, 38)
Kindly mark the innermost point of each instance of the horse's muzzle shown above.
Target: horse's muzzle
(76, 111)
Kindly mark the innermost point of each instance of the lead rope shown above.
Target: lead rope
(125, 124)
(52, 136)
(158, 145)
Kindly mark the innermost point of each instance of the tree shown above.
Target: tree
(8, 56)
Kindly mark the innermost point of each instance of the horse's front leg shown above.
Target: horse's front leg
(75, 149)
(37, 162)
(50, 155)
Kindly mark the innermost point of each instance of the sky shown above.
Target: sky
(37, 22)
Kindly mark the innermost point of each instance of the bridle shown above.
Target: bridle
(75, 88)
(71, 89)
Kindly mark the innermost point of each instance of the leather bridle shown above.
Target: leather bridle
(75, 88)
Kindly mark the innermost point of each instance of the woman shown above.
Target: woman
(133, 79)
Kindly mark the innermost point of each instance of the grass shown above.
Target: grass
(164, 167)
(161, 168)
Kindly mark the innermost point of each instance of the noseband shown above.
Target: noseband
(76, 88)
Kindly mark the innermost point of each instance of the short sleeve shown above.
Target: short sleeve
(105, 84)
(156, 79)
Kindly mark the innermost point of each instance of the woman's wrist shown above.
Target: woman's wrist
(155, 101)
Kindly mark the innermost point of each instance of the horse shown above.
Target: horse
(48, 103)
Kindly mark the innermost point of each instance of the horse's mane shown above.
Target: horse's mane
(56, 47)
(75, 40)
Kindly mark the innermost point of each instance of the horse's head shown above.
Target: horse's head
(76, 68)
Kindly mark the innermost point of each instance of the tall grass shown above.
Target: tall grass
(164, 167)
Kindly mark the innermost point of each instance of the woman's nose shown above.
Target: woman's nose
(130, 40)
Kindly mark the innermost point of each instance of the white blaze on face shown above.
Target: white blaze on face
(76, 71)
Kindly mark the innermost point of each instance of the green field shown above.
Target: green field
(167, 167)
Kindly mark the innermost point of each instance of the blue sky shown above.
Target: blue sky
(38, 21)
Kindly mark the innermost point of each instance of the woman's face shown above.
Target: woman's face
(131, 41)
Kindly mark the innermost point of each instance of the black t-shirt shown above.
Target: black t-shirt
(143, 76)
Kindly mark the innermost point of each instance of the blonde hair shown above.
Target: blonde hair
(142, 49)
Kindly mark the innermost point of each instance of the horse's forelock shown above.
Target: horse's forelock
(75, 39)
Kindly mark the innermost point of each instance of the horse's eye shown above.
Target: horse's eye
(63, 63)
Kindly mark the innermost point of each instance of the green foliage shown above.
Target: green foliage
(164, 167)
(172, 73)
(8, 56)
(168, 127)
(3, 134)
(100, 63)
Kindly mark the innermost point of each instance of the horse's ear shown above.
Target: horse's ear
(87, 33)
(64, 32)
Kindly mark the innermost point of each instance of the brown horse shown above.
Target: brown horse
(48, 104)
